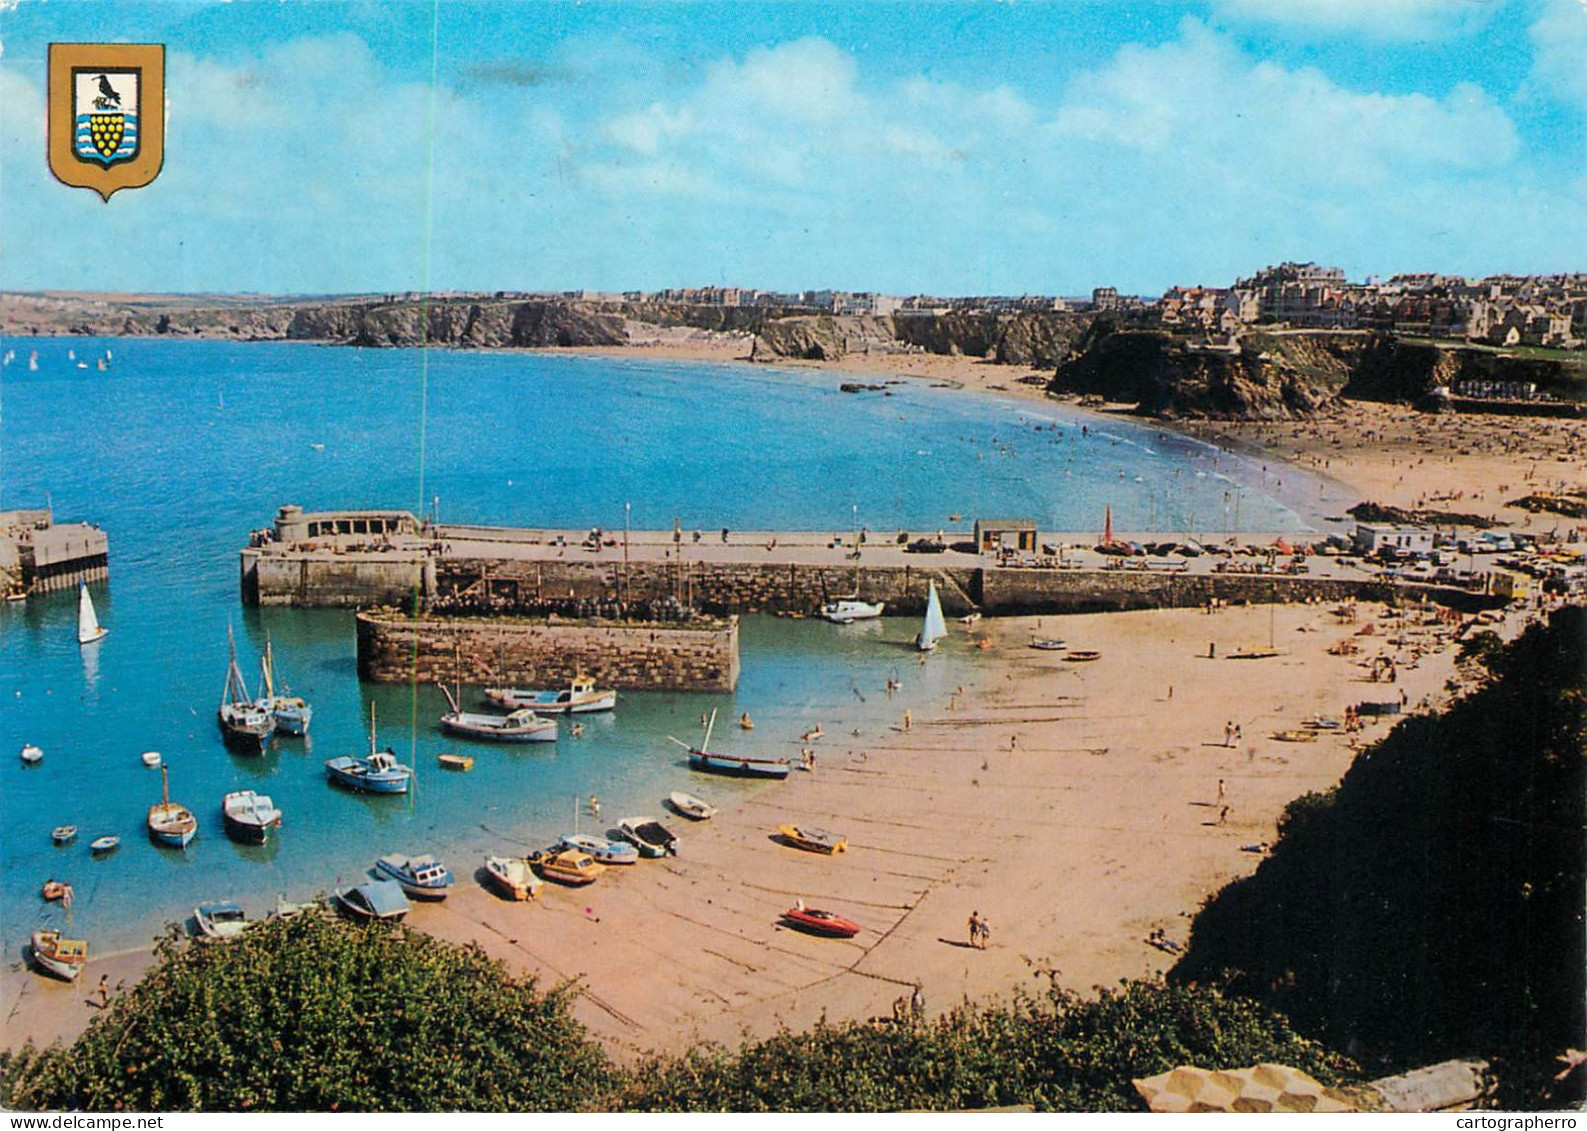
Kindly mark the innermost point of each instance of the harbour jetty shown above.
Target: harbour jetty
(358, 559)
(40, 555)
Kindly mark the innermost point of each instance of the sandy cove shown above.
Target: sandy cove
(1074, 805)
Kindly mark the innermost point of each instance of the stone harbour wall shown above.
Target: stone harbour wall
(698, 656)
(328, 580)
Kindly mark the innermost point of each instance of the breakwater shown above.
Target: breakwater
(696, 655)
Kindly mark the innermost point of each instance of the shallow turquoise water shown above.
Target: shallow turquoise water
(180, 448)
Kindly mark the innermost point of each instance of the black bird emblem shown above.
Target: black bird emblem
(107, 93)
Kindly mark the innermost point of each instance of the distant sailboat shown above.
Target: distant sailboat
(33, 362)
(88, 627)
(934, 628)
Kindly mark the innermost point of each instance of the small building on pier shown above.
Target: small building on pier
(1015, 535)
(294, 524)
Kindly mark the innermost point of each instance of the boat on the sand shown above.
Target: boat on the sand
(813, 839)
(421, 877)
(220, 919)
(56, 954)
(690, 806)
(649, 835)
(820, 922)
(603, 851)
(701, 759)
(373, 900)
(567, 866)
(513, 877)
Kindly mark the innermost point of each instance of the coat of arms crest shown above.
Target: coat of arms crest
(106, 114)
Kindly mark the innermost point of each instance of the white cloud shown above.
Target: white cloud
(1368, 19)
(1559, 41)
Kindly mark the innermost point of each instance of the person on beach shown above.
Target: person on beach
(906, 720)
(104, 990)
(975, 928)
(1220, 789)
(595, 806)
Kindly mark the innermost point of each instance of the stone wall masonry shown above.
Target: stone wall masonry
(322, 579)
(702, 656)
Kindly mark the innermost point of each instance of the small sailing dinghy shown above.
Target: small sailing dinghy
(170, 824)
(88, 626)
(933, 628)
(292, 713)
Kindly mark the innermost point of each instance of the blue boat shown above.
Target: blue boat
(605, 851)
(422, 877)
(378, 772)
(374, 900)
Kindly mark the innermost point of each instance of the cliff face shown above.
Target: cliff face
(1268, 376)
(469, 324)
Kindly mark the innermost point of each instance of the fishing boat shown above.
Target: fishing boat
(1047, 643)
(932, 629)
(1082, 655)
(58, 955)
(422, 877)
(32, 755)
(819, 922)
(103, 845)
(649, 835)
(813, 840)
(461, 762)
(220, 920)
(249, 816)
(63, 834)
(521, 726)
(566, 866)
(377, 772)
(56, 890)
(577, 698)
(170, 824)
(88, 626)
(151, 758)
(245, 723)
(847, 610)
(690, 806)
(1295, 735)
(292, 713)
(374, 900)
(701, 759)
(513, 876)
(602, 850)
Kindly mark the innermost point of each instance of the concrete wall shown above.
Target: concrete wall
(652, 657)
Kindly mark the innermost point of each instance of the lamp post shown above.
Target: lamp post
(628, 592)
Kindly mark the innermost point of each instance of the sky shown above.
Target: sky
(948, 147)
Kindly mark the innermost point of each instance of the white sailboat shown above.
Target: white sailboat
(88, 626)
(933, 628)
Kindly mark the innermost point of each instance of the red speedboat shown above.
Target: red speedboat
(820, 922)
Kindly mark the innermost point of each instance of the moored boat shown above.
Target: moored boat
(151, 759)
(58, 955)
(170, 824)
(820, 922)
(690, 806)
(567, 866)
(1046, 643)
(32, 755)
(249, 816)
(245, 723)
(460, 762)
(374, 900)
(220, 919)
(522, 725)
(421, 877)
(292, 713)
(579, 697)
(649, 835)
(1082, 655)
(847, 610)
(103, 845)
(813, 839)
(513, 876)
(602, 850)
(701, 759)
(63, 834)
(377, 772)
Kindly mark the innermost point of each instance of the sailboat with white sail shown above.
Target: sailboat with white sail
(934, 628)
(88, 627)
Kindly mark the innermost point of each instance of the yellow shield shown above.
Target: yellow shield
(106, 114)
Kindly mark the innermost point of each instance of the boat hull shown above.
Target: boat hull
(816, 922)
(465, 726)
(62, 958)
(412, 888)
(602, 851)
(738, 767)
(248, 831)
(346, 772)
(551, 702)
(511, 877)
(848, 611)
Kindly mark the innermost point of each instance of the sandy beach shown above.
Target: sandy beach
(1077, 807)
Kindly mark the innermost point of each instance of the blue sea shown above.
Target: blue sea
(180, 448)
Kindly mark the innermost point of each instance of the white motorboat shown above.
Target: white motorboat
(579, 697)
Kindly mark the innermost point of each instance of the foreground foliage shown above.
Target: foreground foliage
(1431, 905)
(319, 1015)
